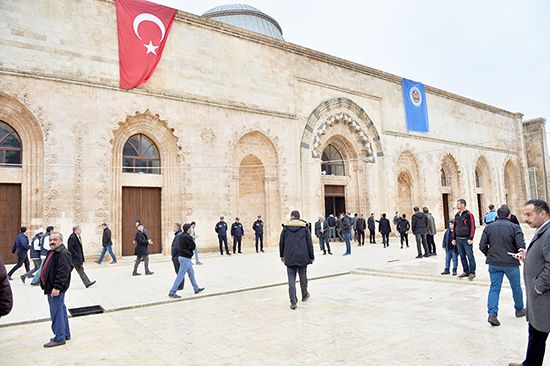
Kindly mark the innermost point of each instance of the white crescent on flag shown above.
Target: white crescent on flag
(143, 17)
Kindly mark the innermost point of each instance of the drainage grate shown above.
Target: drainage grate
(86, 310)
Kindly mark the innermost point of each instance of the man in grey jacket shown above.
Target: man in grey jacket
(537, 280)
(432, 230)
(296, 252)
(419, 226)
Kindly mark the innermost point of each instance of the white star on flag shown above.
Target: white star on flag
(151, 48)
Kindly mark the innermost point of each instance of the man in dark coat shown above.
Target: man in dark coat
(346, 224)
(142, 242)
(331, 220)
(419, 225)
(403, 227)
(237, 233)
(499, 239)
(21, 247)
(6, 297)
(107, 245)
(384, 227)
(371, 224)
(361, 226)
(55, 279)
(322, 232)
(77, 255)
(258, 228)
(536, 274)
(296, 252)
(186, 248)
(463, 238)
(221, 230)
(174, 250)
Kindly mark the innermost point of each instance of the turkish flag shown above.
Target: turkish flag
(143, 28)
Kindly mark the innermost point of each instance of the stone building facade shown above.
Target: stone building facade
(232, 123)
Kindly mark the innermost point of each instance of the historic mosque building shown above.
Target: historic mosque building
(236, 122)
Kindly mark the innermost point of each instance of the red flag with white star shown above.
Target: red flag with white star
(143, 28)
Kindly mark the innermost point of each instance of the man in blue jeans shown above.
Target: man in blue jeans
(463, 238)
(499, 239)
(346, 224)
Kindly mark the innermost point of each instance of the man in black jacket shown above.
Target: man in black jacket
(463, 238)
(6, 297)
(331, 221)
(403, 227)
(221, 230)
(21, 247)
(142, 252)
(186, 249)
(371, 223)
(384, 227)
(258, 228)
(174, 250)
(237, 233)
(296, 252)
(419, 227)
(322, 232)
(107, 244)
(55, 279)
(77, 255)
(499, 239)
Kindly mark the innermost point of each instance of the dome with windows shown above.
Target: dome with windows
(246, 17)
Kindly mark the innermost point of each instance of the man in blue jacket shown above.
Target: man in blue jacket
(21, 247)
(237, 233)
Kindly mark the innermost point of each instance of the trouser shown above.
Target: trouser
(332, 232)
(372, 236)
(237, 243)
(80, 269)
(104, 251)
(60, 319)
(347, 238)
(451, 254)
(145, 259)
(291, 272)
(466, 253)
(431, 243)
(221, 240)
(355, 236)
(324, 243)
(536, 347)
(496, 274)
(186, 266)
(176, 263)
(259, 239)
(197, 260)
(36, 262)
(20, 261)
(385, 239)
(421, 242)
(361, 237)
(404, 239)
(36, 278)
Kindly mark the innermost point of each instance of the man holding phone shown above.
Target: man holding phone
(499, 239)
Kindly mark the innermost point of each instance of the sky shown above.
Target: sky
(493, 51)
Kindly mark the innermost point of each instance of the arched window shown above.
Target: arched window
(478, 181)
(140, 155)
(444, 182)
(10, 146)
(333, 163)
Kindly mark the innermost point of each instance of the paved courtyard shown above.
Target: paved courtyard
(377, 307)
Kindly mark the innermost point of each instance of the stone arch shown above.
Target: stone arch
(169, 147)
(483, 186)
(409, 190)
(341, 110)
(512, 186)
(23, 121)
(255, 162)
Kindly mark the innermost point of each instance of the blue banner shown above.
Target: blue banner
(416, 109)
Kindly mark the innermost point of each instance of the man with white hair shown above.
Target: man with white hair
(77, 255)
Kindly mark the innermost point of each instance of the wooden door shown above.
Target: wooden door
(143, 204)
(445, 198)
(10, 219)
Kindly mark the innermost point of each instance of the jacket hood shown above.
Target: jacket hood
(295, 225)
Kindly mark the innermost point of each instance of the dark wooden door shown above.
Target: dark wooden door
(480, 208)
(445, 198)
(141, 204)
(10, 219)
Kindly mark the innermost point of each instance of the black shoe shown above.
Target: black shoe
(199, 290)
(464, 275)
(136, 274)
(445, 272)
(66, 339)
(324, 253)
(149, 273)
(493, 321)
(261, 250)
(426, 255)
(9, 278)
(240, 252)
(174, 296)
(23, 277)
(112, 262)
(51, 344)
(407, 246)
(419, 256)
(90, 284)
(304, 299)
(98, 262)
(454, 273)
(329, 253)
(521, 313)
(228, 253)
(293, 306)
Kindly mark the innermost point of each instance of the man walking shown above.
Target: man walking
(499, 239)
(258, 228)
(221, 230)
(354, 222)
(361, 227)
(463, 238)
(432, 230)
(55, 279)
(322, 232)
(384, 227)
(420, 225)
(21, 248)
(395, 220)
(142, 253)
(77, 255)
(403, 227)
(237, 233)
(345, 232)
(536, 274)
(34, 249)
(296, 252)
(107, 244)
(44, 249)
(371, 223)
(6, 296)
(174, 250)
(194, 235)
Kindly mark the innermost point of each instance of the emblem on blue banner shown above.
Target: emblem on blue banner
(416, 110)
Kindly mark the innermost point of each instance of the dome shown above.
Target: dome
(246, 17)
